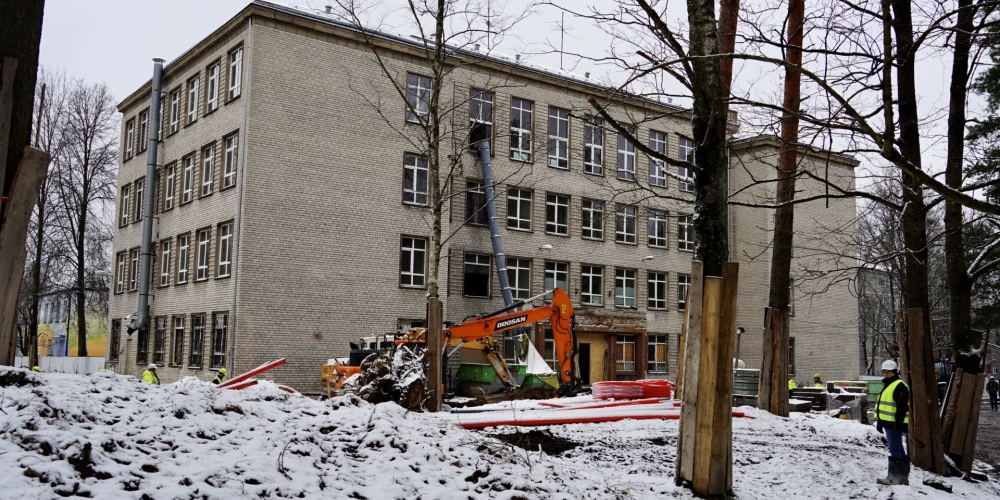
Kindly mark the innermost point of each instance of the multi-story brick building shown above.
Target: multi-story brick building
(292, 212)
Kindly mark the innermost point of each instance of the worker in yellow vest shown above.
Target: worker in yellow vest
(791, 384)
(220, 376)
(892, 417)
(149, 376)
(818, 381)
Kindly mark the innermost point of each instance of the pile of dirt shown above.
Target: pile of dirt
(535, 440)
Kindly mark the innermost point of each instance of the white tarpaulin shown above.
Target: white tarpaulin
(539, 368)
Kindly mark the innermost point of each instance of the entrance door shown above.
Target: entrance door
(584, 360)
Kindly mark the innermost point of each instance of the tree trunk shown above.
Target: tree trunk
(728, 19)
(925, 437)
(36, 280)
(81, 289)
(20, 38)
(434, 141)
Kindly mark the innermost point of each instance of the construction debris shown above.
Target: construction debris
(400, 379)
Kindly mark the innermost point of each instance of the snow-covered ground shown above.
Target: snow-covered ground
(108, 436)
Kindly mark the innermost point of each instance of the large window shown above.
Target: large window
(414, 179)
(115, 341)
(658, 143)
(418, 98)
(225, 250)
(476, 275)
(175, 110)
(519, 277)
(593, 146)
(142, 346)
(685, 233)
(592, 285)
(685, 149)
(204, 246)
(207, 170)
(475, 203)
(126, 205)
(411, 262)
(170, 186)
(160, 340)
(197, 340)
(143, 130)
(519, 208)
(212, 96)
(164, 262)
(235, 72)
(626, 156)
(183, 247)
(557, 214)
(481, 116)
(177, 352)
(220, 324)
(520, 129)
(625, 288)
(194, 85)
(133, 277)
(625, 224)
(129, 138)
(791, 356)
(657, 351)
(120, 272)
(140, 202)
(556, 276)
(625, 353)
(232, 154)
(558, 138)
(656, 296)
(657, 228)
(683, 286)
(187, 188)
(592, 221)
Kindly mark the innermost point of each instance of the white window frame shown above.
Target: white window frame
(654, 365)
(170, 187)
(560, 205)
(593, 146)
(519, 208)
(519, 277)
(207, 170)
(656, 282)
(657, 173)
(220, 327)
(183, 257)
(656, 237)
(194, 87)
(479, 101)
(129, 138)
(122, 270)
(231, 157)
(418, 90)
(415, 167)
(625, 216)
(685, 149)
(626, 156)
(476, 188)
(133, 275)
(175, 110)
(627, 365)
(556, 273)
(558, 138)
(202, 260)
(143, 130)
(159, 340)
(197, 348)
(477, 260)
(521, 123)
(165, 262)
(225, 250)
(212, 92)
(592, 219)
(140, 203)
(126, 208)
(177, 345)
(624, 277)
(683, 286)
(408, 251)
(235, 72)
(685, 233)
(590, 294)
(187, 182)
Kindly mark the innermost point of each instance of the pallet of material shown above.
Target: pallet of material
(815, 394)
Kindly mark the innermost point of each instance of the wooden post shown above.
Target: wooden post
(927, 449)
(679, 387)
(434, 356)
(692, 360)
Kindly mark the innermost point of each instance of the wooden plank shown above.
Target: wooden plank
(779, 401)
(925, 435)
(13, 235)
(965, 401)
(434, 356)
(766, 365)
(679, 388)
(7, 72)
(720, 475)
(965, 465)
(708, 381)
(904, 356)
(689, 408)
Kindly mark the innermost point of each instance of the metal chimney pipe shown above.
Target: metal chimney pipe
(146, 257)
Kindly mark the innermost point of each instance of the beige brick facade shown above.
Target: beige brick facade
(318, 214)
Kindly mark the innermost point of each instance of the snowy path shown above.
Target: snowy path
(107, 436)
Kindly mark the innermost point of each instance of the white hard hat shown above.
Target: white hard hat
(152, 366)
(890, 365)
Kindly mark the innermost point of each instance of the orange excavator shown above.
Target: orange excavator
(477, 333)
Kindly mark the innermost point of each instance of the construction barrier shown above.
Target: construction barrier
(633, 389)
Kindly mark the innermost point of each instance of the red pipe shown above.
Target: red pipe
(566, 420)
(287, 389)
(588, 406)
(241, 385)
(256, 371)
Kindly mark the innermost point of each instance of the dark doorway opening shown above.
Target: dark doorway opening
(584, 358)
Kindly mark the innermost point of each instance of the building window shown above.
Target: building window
(558, 138)
(685, 149)
(232, 154)
(475, 204)
(557, 214)
(550, 351)
(225, 249)
(418, 98)
(140, 202)
(133, 277)
(685, 233)
(183, 245)
(791, 356)
(657, 350)
(207, 170)
(624, 353)
(160, 340)
(657, 228)
(143, 130)
(476, 276)
(212, 97)
(519, 277)
(591, 285)
(592, 221)
(129, 138)
(411, 262)
(116, 340)
(593, 146)
(658, 143)
(125, 206)
(188, 182)
(197, 340)
(177, 346)
(192, 100)
(556, 276)
(165, 263)
(683, 285)
(220, 322)
(175, 110)
(168, 197)
(520, 129)
(414, 179)
(235, 72)
(625, 224)
(656, 298)
(204, 241)
(142, 346)
(120, 272)
(481, 117)
(519, 208)
(625, 288)
(626, 156)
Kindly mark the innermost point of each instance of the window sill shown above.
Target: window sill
(192, 122)
(591, 239)
(227, 188)
(167, 209)
(213, 110)
(232, 99)
(476, 224)
(688, 191)
(634, 244)
(411, 287)
(662, 186)
(475, 297)
(414, 205)
(417, 122)
(223, 277)
(685, 250)
(179, 283)
(205, 195)
(172, 132)
(163, 286)
(195, 368)
(566, 168)
(201, 280)
(584, 304)
(520, 230)
(626, 307)
(529, 160)
(657, 308)
(186, 202)
(661, 247)
(625, 179)
(557, 234)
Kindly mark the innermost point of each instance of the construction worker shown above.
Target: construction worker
(791, 384)
(993, 387)
(892, 418)
(149, 376)
(817, 382)
(221, 375)
(36, 369)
